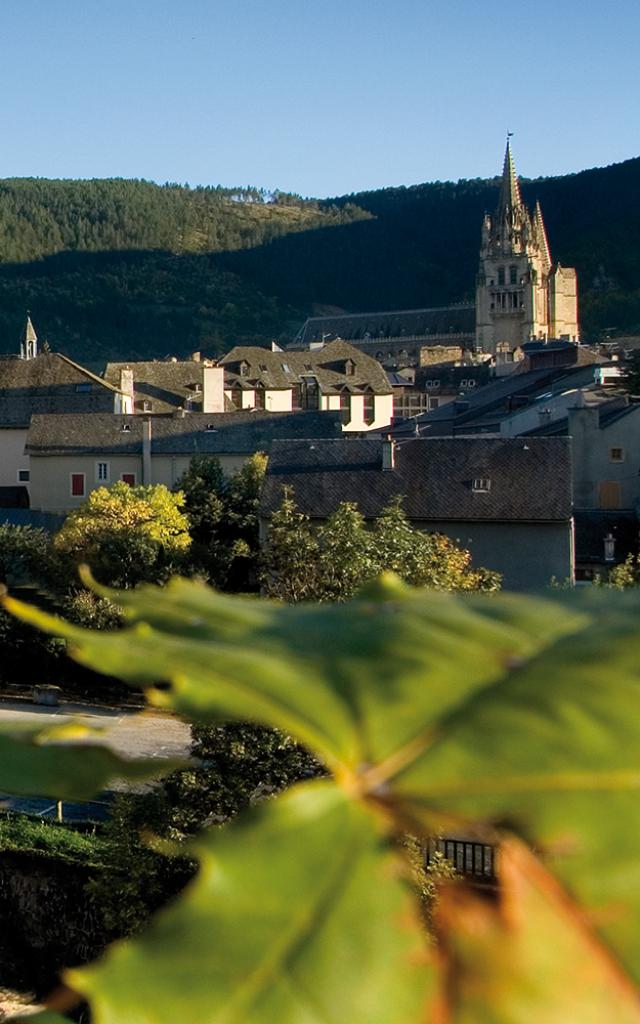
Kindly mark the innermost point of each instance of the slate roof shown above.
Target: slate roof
(437, 320)
(281, 370)
(49, 383)
(167, 385)
(530, 481)
(194, 434)
(483, 408)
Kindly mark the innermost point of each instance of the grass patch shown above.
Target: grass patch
(20, 834)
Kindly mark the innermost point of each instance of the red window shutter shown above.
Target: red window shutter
(77, 485)
(129, 478)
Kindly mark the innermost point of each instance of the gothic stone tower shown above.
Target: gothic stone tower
(520, 295)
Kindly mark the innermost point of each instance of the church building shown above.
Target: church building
(520, 295)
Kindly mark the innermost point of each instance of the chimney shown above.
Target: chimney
(213, 389)
(126, 398)
(146, 450)
(388, 453)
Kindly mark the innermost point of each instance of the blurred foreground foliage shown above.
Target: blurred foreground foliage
(509, 718)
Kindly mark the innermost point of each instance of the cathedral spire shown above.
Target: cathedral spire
(510, 198)
(540, 235)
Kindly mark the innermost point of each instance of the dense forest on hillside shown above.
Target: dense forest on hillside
(115, 268)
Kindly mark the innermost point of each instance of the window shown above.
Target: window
(513, 275)
(83, 389)
(77, 485)
(129, 478)
(211, 428)
(481, 485)
(345, 406)
(147, 406)
(23, 476)
(102, 472)
(349, 367)
(369, 407)
(197, 388)
(126, 427)
(433, 383)
(309, 393)
(616, 454)
(609, 494)
(263, 367)
(285, 367)
(500, 275)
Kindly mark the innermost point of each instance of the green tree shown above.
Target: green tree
(223, 512)
(290, 556)
(331, 563)
(236, 765)
(127, 534)
(631, 373)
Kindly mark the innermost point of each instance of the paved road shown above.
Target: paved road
(129, 733)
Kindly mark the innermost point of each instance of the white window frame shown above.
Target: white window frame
(107, 477)
(84, 484)
(481, 485)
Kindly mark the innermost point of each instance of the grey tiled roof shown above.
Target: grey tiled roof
(166, 384)
(484, 407)
(529, 481)
(439, 320)
(327, 365)
(50, 383)
(193, 434)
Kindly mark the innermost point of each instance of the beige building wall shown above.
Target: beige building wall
(278, 400)
(12, 457)
(383, 413)
(50, 486)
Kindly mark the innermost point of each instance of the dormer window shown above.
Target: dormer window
(481, 485)
(197, 388)
(244, 368)
(264, 367)
(286, 368)
(147, 406)
(349, 367)
(211, 428)
(126, 427)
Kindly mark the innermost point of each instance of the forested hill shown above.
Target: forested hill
(115, 268)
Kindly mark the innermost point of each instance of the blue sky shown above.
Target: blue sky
(317, 98)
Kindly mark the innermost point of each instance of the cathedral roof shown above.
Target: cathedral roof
(540, 235)
(510, 198)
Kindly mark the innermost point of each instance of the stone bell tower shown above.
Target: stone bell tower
(520, 295)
